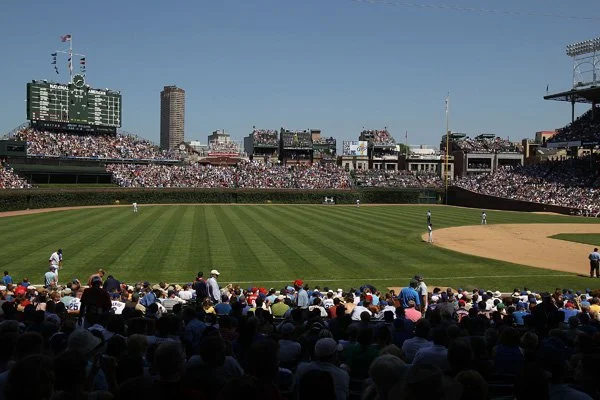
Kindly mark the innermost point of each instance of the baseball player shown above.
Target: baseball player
(357, 203)
(56, 260)
(483, 218)
(594, 258)
(428, 217)
(135, 207)
(430, 231)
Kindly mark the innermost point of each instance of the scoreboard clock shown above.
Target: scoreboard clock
(73, 103)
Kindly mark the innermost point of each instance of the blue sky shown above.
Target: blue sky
(337, 65)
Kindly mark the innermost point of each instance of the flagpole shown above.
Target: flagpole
(447, 146)
(71, 58)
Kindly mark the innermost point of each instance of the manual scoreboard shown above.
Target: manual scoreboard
(73, 103)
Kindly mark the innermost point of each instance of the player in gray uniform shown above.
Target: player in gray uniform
(483, 218)
(594, 263)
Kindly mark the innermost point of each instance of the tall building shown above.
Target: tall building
(172, 116)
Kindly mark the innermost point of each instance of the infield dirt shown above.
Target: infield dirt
(526, 244)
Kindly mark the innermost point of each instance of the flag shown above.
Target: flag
(53, 62)
(53, 54)
(82, 61)
(447, 103)
(65, 38)
(547, 87)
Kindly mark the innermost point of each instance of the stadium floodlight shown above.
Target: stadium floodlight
(585, 47)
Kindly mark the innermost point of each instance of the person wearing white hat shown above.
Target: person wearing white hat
(213, 287)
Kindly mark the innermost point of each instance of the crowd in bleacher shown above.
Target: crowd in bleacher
(55, 144)
(429, 179)
(172, 176)
(10, 180)
(585, 128)
(204, 340)
(388, 178)
(571, 183)
(484, 145)
(246, 174)
(265, 137)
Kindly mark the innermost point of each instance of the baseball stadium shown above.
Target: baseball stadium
(397, 267)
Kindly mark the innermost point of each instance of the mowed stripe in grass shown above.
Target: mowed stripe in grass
(585, 238)
(328, 244)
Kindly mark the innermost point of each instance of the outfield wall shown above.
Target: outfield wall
(11, 200)
(465, 198)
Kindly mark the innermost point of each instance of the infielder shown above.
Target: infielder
(430, 229)
(483, 218)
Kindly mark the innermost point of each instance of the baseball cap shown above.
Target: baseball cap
(326, 347)
(214, 272)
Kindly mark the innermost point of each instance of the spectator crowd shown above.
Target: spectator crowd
(110, 339)
(53, 144)
(10, 180)
(572, 183)
(246, 174)
(584, 128)
(395, 179)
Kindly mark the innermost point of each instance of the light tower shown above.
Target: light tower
(586, 59)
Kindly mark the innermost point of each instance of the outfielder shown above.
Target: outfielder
(483, 218)
(135, 207)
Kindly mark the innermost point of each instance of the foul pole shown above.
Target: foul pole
(447, 147)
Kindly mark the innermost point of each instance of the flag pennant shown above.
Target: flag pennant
(53, 62)
(53, 54)
(65, 38)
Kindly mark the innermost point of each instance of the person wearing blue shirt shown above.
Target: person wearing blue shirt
(7, 279)
(519, 314)
(148, 299)
(223, 308)
(409, 293)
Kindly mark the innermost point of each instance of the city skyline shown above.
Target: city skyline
(344, 66)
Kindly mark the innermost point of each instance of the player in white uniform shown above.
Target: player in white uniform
(357, 203)
(430, 229)
(55, 260)
(483, 218)
(135, 207)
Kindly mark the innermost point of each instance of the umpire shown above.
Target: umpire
(594, 263)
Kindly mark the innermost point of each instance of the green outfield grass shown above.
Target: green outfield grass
(268, 245)
(586, 238)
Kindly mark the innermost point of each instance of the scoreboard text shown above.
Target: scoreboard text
(53, 102)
